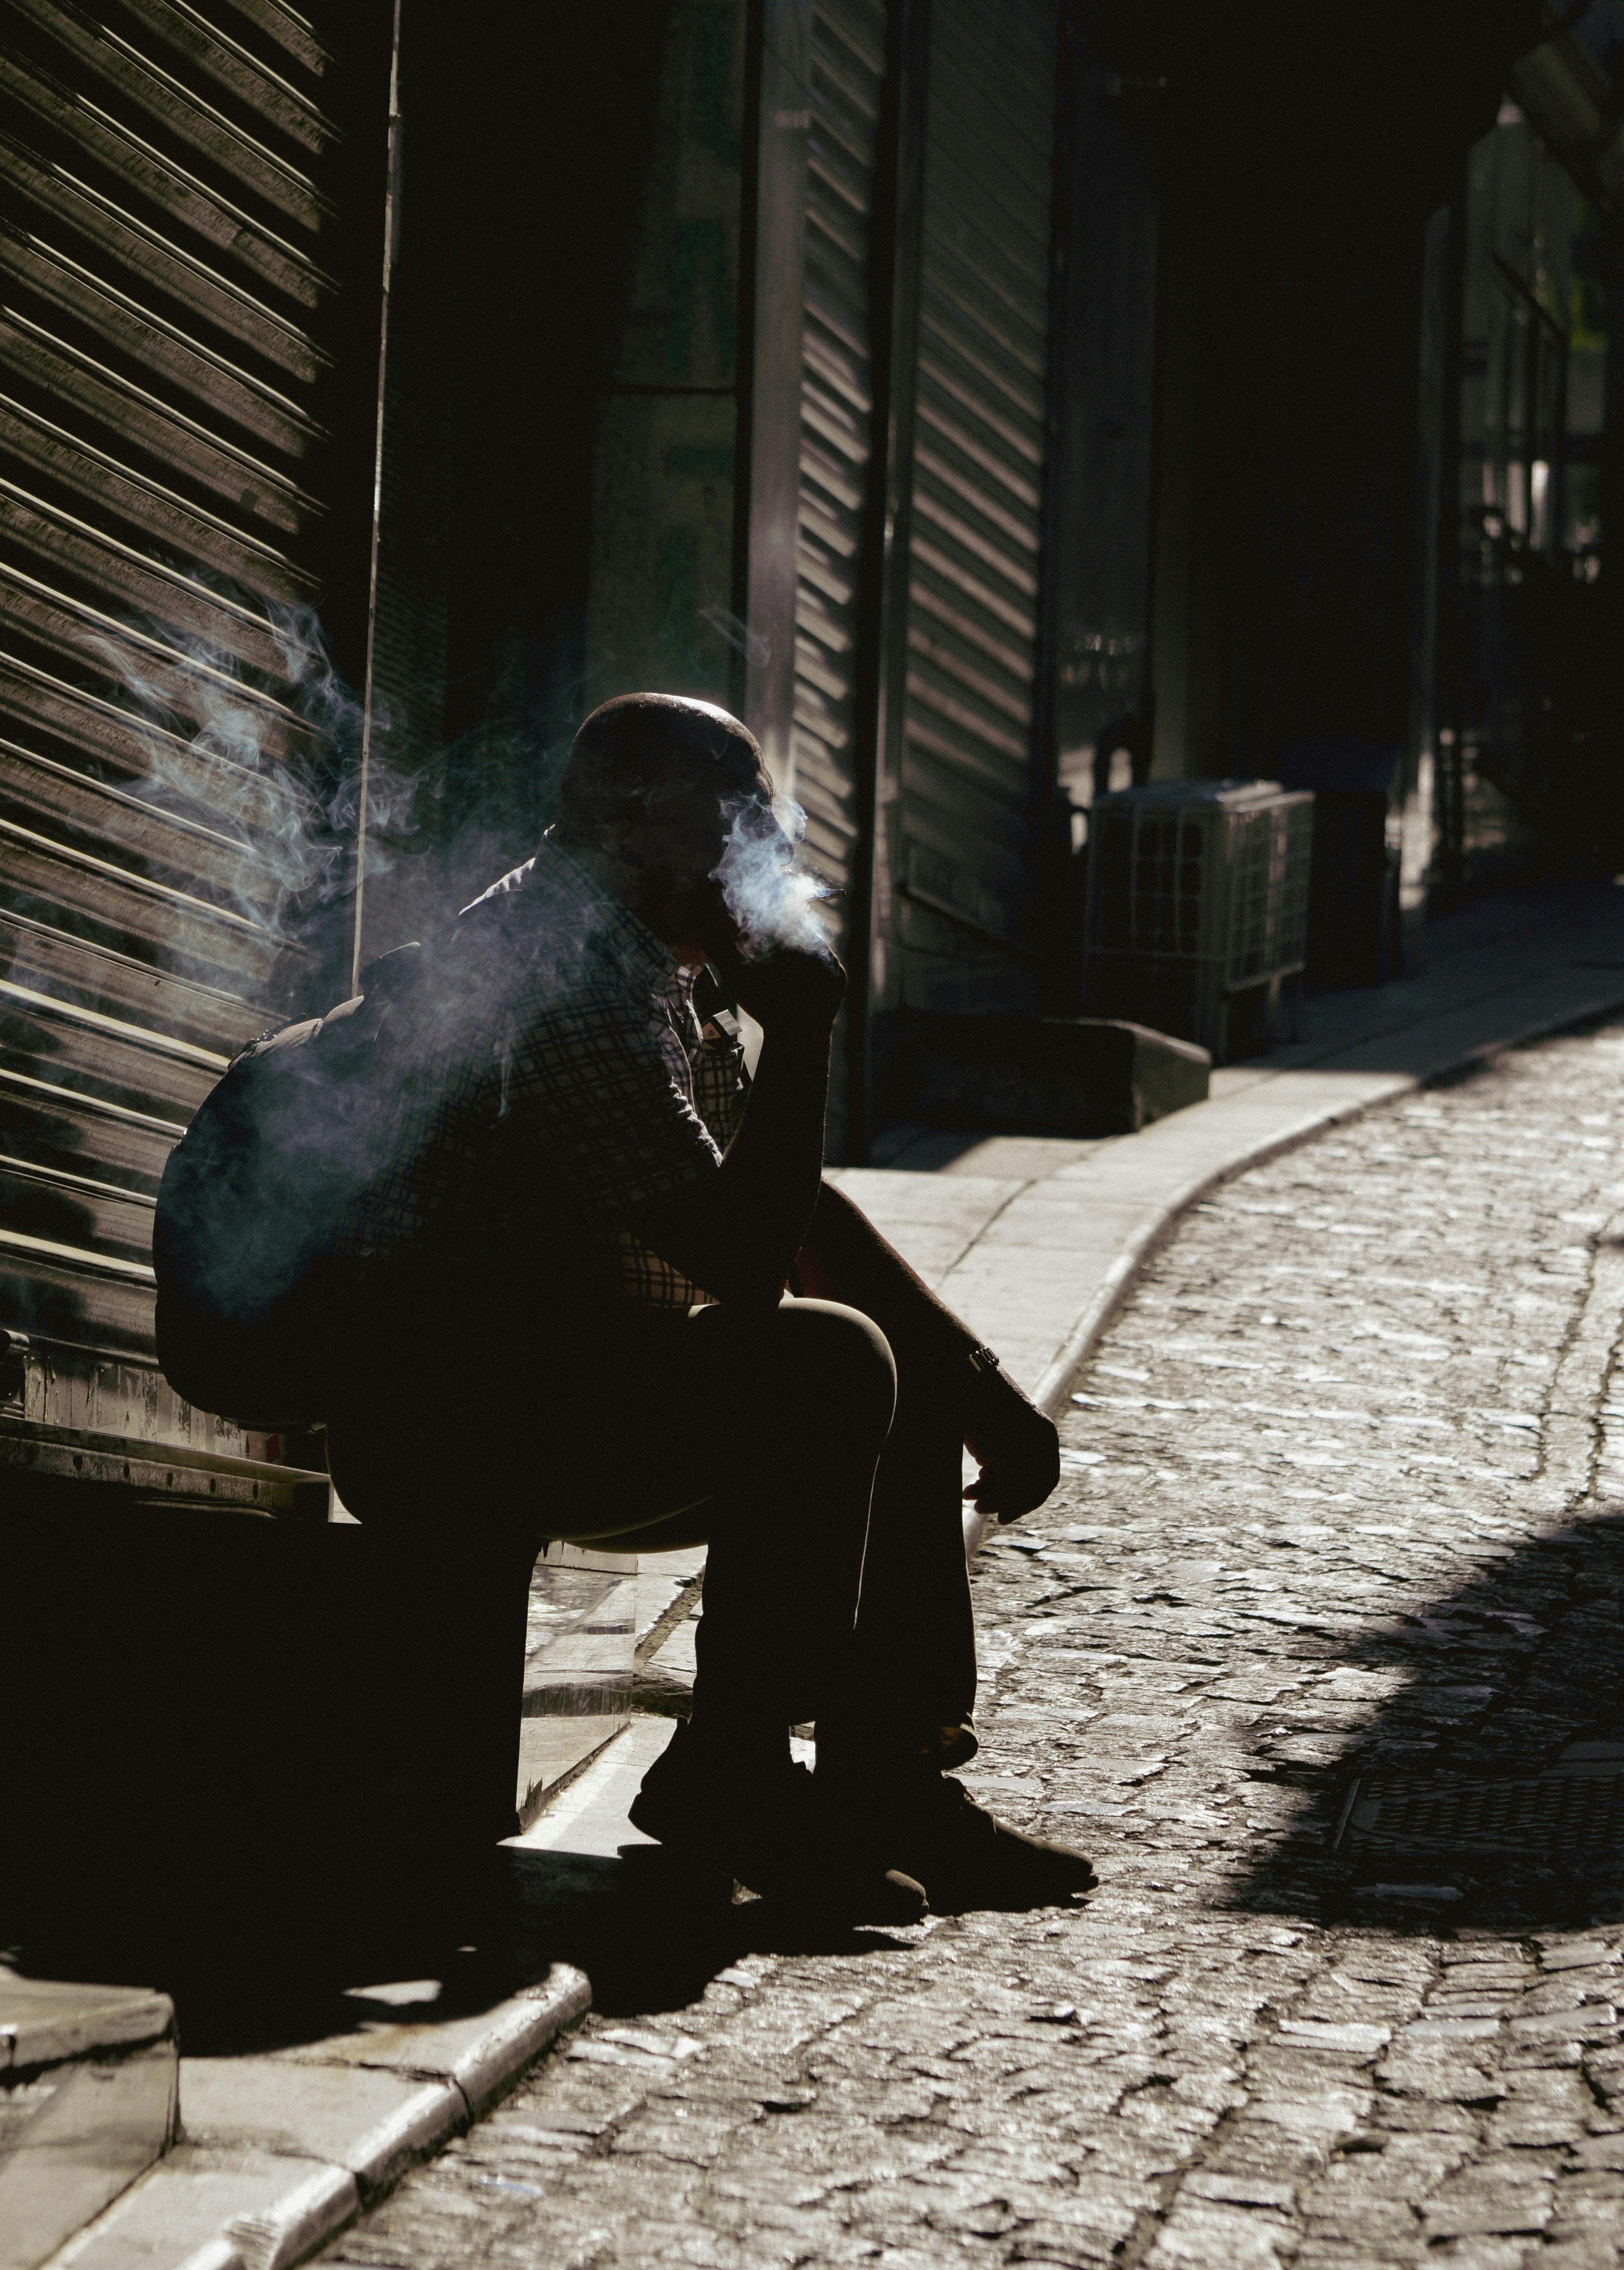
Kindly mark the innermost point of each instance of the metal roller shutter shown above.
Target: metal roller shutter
(847, 79)
(967, 850)
(167, 312)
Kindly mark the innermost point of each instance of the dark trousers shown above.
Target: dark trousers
(818, 1459)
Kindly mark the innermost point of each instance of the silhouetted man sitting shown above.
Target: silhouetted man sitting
(583, 1321)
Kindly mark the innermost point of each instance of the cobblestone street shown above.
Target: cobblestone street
(1337, 1503)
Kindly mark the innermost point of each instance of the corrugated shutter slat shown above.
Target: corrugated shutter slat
(165, 305)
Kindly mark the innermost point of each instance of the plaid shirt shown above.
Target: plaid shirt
(558, 1077)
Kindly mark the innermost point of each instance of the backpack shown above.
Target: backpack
(254, 1306)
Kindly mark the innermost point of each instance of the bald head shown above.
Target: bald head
(652, 760)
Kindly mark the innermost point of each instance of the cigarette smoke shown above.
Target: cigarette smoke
(270, 768)
(757, 651)
(765, 887)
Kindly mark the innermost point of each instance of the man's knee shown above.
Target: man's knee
(828, 1341)
(818, 1357)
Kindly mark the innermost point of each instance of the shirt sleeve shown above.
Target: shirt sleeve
(595, 1088)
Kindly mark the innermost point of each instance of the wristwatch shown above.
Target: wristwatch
(981, 1360)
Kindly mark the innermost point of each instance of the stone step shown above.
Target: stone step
(276, 2151)
(88, 2103)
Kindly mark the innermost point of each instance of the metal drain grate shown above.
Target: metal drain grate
(1573, 1813)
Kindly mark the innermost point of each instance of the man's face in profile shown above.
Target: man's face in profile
(682, 845)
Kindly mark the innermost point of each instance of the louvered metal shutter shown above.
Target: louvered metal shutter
(967, 857)
(167, 307)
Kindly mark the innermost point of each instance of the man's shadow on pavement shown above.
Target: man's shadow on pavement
(1516, 1666)
(645, 1945)
(249, 1971)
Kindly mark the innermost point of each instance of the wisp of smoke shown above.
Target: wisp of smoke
(765, 887)
(271, 767)
(757, 651)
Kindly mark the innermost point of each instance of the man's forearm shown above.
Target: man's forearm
(768, 1186)
(847, 1259)
(737, 1232)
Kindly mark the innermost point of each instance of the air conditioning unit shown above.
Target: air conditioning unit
(1197, 908)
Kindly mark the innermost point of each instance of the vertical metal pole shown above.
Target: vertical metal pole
(1051, 851)
(769, 452)
(895, 224)
(1434, 476)
(364, 780)
(745, 417)
(1449, 697)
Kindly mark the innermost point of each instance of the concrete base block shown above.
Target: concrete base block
(264, 1707)
(1063, 1076)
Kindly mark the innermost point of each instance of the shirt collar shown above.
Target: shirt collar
(612, 924)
